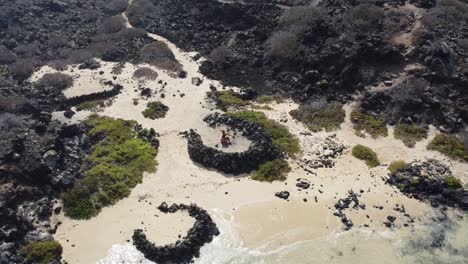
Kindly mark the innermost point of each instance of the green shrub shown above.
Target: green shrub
(452, 182)
(228, 99)
(94, 104)
(368, 155)
(42, 252)
(363, 122)
(115, 165)
(396, 166)
(449, 146)
(329, 118)
(265, 99)
(410, 134)
(279, 134)
(276, 170)
(155, 110)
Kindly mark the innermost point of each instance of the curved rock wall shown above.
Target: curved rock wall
(202, 232)
(260, 151)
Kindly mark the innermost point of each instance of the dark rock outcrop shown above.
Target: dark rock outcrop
(182, 251)
(430, 181)
(259, 151)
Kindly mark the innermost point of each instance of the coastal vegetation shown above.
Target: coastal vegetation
(115, 165)
(374, 126)
(56, 80)
(155, 110)
(317, 118)
(228, 99)
(410, 134)
(366, 154)
(449, 146)
(265, 99)
(452, 182)
(279, 134)
(145, 73)
(160, 55)
(43, 252)
(275, 170)
(94, 104)
(397, 165)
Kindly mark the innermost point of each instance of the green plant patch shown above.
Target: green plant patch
(265, 99)
(449, 146)
(316, 119)
(397, 166)
(115, 166)
(376, 127)
(366, 154)
(276, 170)
(410, 134)
(279, 134)
(42, 252)
(155, 110)
(229, 99)
(452, 182)
(94, 104)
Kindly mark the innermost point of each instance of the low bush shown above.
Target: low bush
(160, 55)
(328, 117)
(94, 104)
(118, 6)
(220, 54)
(115, 165)
(300, 19)
(449, 146)
(155, 110)
(43, 252)
(410, 134)
(366, 154)
(265, 99)
(276, 170)
(55, 80)
(397, 165)
(6, 56)
(145, 73)
(22, 69)
(56, 42)
(112, 24)
(283, 45)
(279, 134)
(228, 98)
(363, 122)
(452, 182)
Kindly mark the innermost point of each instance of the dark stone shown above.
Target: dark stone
(184, 250)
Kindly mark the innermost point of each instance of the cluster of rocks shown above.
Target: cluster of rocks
(38, 33)
(38, 160)
(351, 201)
(73, 101)
(182, 251)
(430, 181)
(282, 195)
(147, 135)
(260, 150)
(320, 152)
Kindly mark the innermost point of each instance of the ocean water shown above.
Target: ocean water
(438, 242)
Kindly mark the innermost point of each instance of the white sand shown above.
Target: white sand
(258, 215)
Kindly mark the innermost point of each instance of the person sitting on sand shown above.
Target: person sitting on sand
(225, 140)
